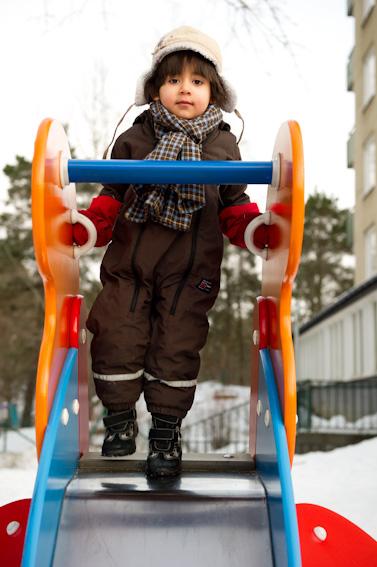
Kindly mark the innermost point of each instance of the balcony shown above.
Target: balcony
(368, 6)
(351, 149)
(350, 77)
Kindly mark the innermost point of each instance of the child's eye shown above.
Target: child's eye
(173, 81)
(198, 82)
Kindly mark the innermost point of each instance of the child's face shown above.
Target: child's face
(187, 95)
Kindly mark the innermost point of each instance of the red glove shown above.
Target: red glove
(102, 212)
(234, 220)
(267, 235)
(270, 235)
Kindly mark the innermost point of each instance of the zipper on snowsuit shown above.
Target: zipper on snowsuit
(134, 271)
(190, 264)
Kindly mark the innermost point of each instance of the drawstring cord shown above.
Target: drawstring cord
(243, 124)
(105, 156)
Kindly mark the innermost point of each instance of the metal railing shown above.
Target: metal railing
(330, 407)
(338, 406)
(226, 431)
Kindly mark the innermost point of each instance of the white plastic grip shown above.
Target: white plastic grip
(275, 181)
(92, 233)
(265, 218)
(63, 170)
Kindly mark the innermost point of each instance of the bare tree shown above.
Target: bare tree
(267, 17)
(96, 110)
(264, 21)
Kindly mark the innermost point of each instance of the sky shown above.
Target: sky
(78, 62)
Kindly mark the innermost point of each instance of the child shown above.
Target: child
(161, 272)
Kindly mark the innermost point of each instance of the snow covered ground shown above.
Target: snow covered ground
(344, 480)
(18, 466)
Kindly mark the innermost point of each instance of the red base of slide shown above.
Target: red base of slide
(13, 521)
(329, 540)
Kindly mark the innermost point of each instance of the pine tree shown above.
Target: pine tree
(323, 273)
(21, 290)
(21, 293)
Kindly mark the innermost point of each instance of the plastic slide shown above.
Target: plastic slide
(224, 509)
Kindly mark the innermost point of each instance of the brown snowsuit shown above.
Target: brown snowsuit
(150, 319)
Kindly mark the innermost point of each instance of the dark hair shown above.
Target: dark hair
(172, 65)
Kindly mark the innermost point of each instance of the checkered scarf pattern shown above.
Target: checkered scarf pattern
(178, 138)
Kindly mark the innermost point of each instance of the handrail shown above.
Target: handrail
(157, 171)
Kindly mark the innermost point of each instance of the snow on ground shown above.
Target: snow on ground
(18, 465)
(17, 475)
(339, 422)
(343, 480)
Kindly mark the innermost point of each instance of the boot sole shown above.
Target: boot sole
(162, 473)
(165, 474)
(119, 452)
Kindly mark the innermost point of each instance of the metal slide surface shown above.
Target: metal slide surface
(201, 519)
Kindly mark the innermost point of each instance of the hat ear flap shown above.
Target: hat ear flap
(140, 99)
(231, 97)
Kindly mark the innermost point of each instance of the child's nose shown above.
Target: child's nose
(185, 85)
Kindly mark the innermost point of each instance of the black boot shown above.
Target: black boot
(165, 452)
(121, 431)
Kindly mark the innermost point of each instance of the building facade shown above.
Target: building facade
(362, 144)
(336, 357)
(340, 342)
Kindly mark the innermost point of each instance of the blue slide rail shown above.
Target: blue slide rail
(273, 467)
(57, 465)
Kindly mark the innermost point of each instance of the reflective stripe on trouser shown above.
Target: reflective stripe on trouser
(169, 397)
(119, 392)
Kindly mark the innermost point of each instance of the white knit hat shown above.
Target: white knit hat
(187, 38)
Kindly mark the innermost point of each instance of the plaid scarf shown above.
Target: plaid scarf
(178, 138)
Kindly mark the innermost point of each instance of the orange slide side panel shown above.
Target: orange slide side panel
(287, 205)
(52, 235)
(295, 247)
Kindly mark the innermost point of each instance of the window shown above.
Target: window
(333, 375)
(340, 361)
(369, 76)
(357, 325)
(370, 251)
(337, 351)
(367, 7)
(369, 165)
(375, 334)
